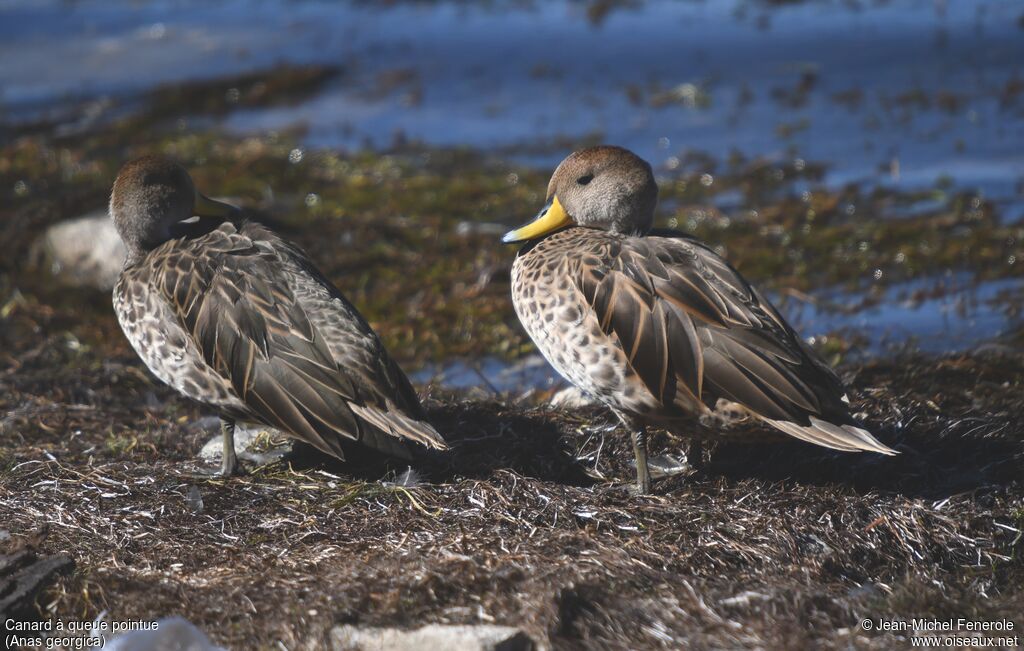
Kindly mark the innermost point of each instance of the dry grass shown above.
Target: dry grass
(772, 546)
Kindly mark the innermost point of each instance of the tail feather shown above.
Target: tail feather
(400, 426)
(847, 438)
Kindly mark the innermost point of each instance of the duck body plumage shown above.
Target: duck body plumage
(240, 320)
(661, 328)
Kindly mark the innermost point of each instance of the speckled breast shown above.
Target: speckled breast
(565, 329)
(163, 345)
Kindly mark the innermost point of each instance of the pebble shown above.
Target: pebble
(82, 252)
(171, 634)
(483, 637)
(245, 438)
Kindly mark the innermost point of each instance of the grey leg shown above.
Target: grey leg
(643, 475)
(639, 435)
(229, 462)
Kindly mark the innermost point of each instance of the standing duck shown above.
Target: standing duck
(659, 328)
(240, 320)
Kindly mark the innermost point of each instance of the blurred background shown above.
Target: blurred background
(861, 160)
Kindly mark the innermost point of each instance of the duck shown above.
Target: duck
(656, 325)
(241, 321)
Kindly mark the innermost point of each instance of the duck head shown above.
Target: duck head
(604, 187)
(151, 197)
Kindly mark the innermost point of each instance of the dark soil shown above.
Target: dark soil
(773, 545)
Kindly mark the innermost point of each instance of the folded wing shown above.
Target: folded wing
(693, 329)
(237, 301)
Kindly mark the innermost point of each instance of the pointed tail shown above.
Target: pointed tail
(847, 438)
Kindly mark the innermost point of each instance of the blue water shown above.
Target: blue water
(951, 312)
(900, 93)
(662, 78)
(936, 315)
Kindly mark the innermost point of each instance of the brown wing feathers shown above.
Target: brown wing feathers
(252, 330)
(626, 304)
(686, 320)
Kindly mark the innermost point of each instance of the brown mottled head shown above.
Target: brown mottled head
(151, 195)
(604, 187)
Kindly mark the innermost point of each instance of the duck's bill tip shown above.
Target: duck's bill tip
(551, 218)
(512, 237)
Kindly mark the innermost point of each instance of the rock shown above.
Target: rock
(194, 499)
(170, 634)
(433, 636)
(245, 439)
(811, 545)
(667, 465)
(82, 252)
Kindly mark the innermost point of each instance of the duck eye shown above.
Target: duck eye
(583, 180)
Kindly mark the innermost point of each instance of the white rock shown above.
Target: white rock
(666, 465)
(245, 438)
(82, 252)
(171, 634)
(433, 636)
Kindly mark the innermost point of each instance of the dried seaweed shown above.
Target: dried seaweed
(773, 545)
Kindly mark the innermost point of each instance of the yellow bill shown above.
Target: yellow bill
(550, 218)
(207, 207)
